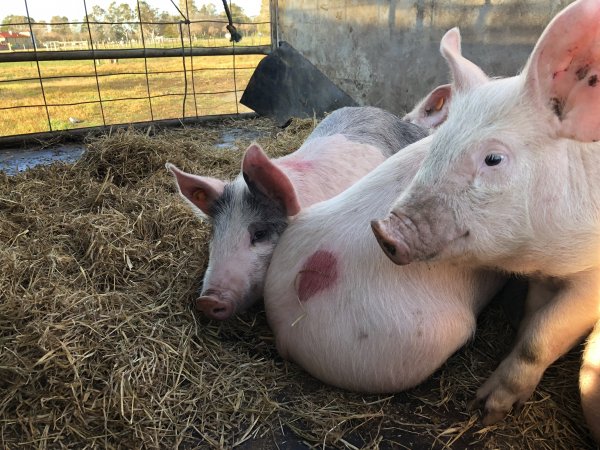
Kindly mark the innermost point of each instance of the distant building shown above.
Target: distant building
(14, 40)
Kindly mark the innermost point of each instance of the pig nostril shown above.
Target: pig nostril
(214, 308)
(389, 248)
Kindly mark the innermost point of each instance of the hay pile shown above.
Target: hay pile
(99, 345)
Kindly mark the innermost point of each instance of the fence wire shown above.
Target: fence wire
(202, 74)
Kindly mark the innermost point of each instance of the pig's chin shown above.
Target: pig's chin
(453, 250)
(251, 297)
(246, 303)
(472, 249)
(456, 248)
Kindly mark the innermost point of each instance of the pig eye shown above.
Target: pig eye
(260, 235)
(493, 159)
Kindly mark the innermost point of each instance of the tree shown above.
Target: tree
(9, 21)
(208, 10)
(58, 32)
(100, 32)
(55, 20)
(237, 14)
(149, 14)
(264, 16)
(191, 8)
(97, 14)
(168, 30)
(117, 14)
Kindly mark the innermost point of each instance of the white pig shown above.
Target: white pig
(249, 213)
(512, 182)
(342, 311)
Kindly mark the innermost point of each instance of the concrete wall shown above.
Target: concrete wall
(386, 52)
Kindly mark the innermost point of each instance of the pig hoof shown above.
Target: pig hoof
(494, 410)
(474, 405)
(500, 395)
(492, 417)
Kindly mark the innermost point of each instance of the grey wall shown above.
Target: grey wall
(386, 52)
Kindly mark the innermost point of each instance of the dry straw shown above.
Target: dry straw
(100, 348)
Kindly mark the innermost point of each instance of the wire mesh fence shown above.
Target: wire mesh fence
(124, 71)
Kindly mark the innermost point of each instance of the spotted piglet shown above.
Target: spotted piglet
(249, 213)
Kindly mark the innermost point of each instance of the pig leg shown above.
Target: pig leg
(538, 295)
(544, 337)
(589, 382)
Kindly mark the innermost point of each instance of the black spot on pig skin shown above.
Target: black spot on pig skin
(582, 72)
(257, 210)
(268, 212)
(557, 106)
(224, 200)
(593, 80)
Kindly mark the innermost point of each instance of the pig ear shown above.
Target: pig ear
(200, 192)
(433, 109)
(262, 174)
(563, 71)
(465, 74)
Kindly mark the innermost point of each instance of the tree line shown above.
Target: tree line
(161, 24)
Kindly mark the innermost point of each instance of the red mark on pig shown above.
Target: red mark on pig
(297, 165)
(317, 274)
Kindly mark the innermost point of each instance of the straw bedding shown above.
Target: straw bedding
(100, 348)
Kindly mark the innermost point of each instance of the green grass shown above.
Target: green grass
(212, 76)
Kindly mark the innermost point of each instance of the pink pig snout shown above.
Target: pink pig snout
(391, 241)
(214, 306)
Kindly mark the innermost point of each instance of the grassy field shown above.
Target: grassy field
(213, 77)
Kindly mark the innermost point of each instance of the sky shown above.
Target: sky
(43, 10)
